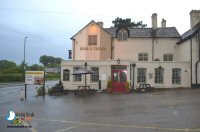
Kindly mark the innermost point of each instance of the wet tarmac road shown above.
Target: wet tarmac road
(160, 111)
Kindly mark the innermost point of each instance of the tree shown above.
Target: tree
(49, 61)
(20, 67)
(36, 67)
(119, 22)
(7, 66)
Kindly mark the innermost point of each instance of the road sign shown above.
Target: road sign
(34, 77)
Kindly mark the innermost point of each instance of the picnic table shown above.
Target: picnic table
(145, 88)
(82, 90)
(58, 91)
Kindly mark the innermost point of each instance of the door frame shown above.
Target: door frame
(119, 86)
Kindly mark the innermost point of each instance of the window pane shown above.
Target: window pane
(141, 75)
(125, 35)
(143, 56)
(92, 39)
(94, 77)
(77, 78)
(176, 76)
(66, 74)
(168, 57)
(123, 76)
(120, 35)
(159, 75)
(116, 76)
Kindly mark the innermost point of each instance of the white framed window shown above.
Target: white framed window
(168, 57)
(122, 35)
(94, 77)
(159, 75)
(176, 76)
(141, 75)
(66, 75)
(92, 39)
(143, 56)
(77, 78)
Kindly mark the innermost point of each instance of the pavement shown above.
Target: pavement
(174, 110)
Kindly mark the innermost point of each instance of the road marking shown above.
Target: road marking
(57, 120)
(33, 130)
(123, 126)
(69, 128)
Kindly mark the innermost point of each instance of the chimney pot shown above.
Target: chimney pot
(100, 24)
(154, 20)
(194, 18)
(163, 23)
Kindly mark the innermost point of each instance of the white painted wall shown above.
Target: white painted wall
(164, 46)
(182, 51)
(129, 49)
(185, 66)
(105, 68)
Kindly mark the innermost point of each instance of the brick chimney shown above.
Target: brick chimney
(154, 20)
(194, 17)
(100, 24)
(163, 23)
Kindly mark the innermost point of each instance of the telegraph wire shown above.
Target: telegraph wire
(66, 13)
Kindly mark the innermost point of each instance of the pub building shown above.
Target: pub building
(158, 56)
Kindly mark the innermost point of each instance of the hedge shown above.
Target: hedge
(11, 77)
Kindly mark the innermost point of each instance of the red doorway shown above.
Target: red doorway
(119, 77)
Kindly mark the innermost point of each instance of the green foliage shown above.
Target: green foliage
(119, 22)
(50, 90)
(49, 61)
(5, 64)
(40, 91)
(35, 67)
(8, 67)
(52, 76)
(11, 77)
(11, 72)
(109, 84)
(59, 84)
(127, 84)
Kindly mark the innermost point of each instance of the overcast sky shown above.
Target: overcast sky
(49, 24)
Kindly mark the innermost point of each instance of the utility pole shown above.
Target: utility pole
(25, 64)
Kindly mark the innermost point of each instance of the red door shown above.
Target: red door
(119, 78)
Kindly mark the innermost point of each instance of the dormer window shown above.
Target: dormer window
(122, 34)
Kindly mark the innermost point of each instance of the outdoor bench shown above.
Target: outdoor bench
(82, 90)
(56, 92)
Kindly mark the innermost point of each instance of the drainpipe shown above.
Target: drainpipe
(153, 40)
(196, 64)
(130, 75)
(111, 57)
(133, 65)
(73, 52)
(191, 60)
(153, 34)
